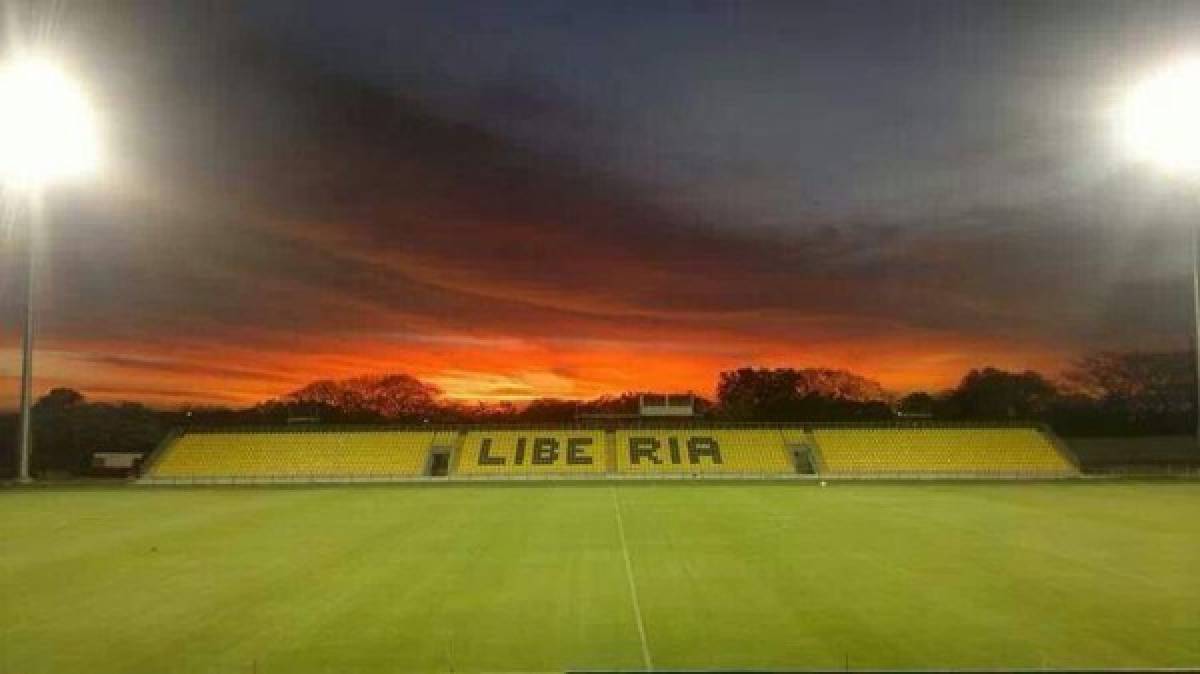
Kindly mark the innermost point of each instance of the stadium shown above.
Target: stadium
(632, 545)
(524, 336)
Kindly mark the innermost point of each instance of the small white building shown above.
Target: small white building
(667, 405)
(116, 463)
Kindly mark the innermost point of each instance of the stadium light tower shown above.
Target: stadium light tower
(47, 135)
(1159, 122)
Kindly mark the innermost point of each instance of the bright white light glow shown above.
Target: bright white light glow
(47, 129)
(1160, 120)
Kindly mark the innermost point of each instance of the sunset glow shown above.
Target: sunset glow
(512, 370)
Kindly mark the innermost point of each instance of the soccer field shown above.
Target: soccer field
(554, 576)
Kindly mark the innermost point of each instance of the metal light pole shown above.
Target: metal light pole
(1196, 318)
(1159, 123)
(47, 134)
(24, 440)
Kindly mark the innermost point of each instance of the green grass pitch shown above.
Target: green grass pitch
(538, 577)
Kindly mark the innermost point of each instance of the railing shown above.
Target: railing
(608, 424)
(466, 478)
(642, 477)
(1145, 470)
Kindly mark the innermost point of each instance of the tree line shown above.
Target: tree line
(1103, 394)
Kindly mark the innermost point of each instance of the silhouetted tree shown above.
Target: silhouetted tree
(1130, 392)
(625, 403)
(399, 397)
(1144, 384)
(917, 403)
(8, 445)
(56, 442)
(546, 410)
(758, 394)
(59, 399)
(462, 412)
(995, 394)
(68, 430)
(286, 411)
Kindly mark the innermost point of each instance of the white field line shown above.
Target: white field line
(637, 607)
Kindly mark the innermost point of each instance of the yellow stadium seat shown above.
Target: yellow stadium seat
(985, 451)
(295, 454)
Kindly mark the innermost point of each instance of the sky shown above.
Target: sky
(512, 200)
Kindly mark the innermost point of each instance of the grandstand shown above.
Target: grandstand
(296, 454)
(620, 451)
(939, 451)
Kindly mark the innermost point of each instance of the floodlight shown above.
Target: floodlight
(1159, 121)
(47, 129)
